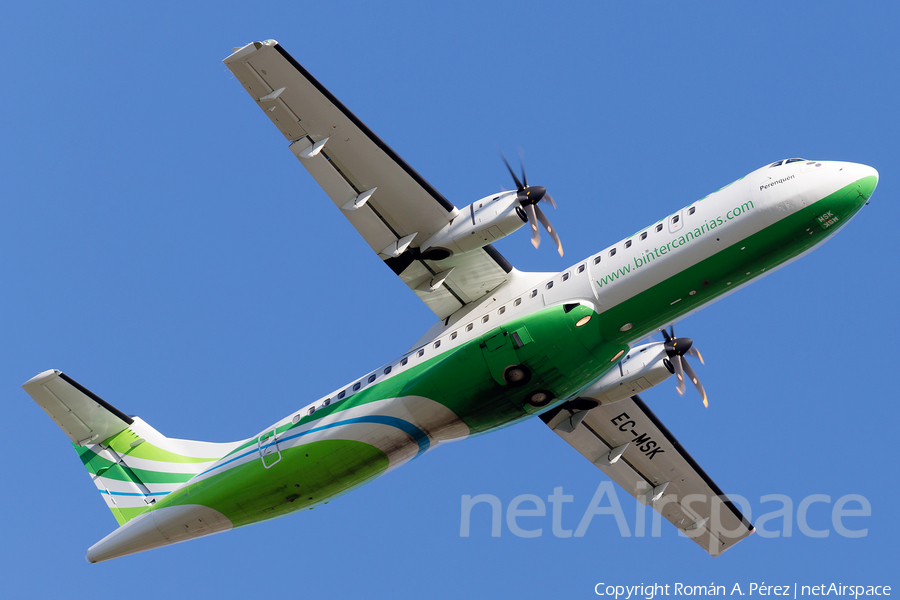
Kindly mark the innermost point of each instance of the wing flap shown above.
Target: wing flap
(373, 229)
(654, 468)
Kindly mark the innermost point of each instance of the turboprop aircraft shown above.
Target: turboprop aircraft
(508, 344)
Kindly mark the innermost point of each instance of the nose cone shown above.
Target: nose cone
(857, 177)
(867, 180)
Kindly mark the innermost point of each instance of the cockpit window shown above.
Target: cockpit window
(786, 161)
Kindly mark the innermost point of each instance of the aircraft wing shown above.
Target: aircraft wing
(629, 443)
(388, 203)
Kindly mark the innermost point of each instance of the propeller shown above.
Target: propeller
(677, 348)
(528, 197)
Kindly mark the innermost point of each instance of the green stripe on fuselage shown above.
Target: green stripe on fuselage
(732, 266)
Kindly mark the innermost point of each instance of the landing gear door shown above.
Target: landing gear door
(499, 353)
(269, 452)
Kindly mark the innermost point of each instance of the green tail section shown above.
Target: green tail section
(132, 464)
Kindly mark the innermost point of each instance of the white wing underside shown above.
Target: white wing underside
(653, 465)
(351, 163)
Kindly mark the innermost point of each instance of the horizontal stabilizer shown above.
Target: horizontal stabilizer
(132, 464)
(84, 416)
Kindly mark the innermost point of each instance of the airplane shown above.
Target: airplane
(508, 345)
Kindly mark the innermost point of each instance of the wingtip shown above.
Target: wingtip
(42, 376)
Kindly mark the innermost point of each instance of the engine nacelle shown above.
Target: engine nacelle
(642, 368)
(479, 224)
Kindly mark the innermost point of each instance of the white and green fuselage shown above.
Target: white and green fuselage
(567, 329)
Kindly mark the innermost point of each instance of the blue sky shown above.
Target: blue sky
(161, 246)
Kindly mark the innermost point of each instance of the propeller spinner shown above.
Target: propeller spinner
(676, 349)
(528, 197)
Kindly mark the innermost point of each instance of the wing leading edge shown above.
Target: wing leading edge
(631, 445)
(388, 202)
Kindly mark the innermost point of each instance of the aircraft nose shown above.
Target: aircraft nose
(867, 179)
(863, 177)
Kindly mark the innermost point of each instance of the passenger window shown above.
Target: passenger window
(296, 419)
(469, 327)
(581, 268)
(597, 260)
(341, 395)
(565, 277)
(549, 285)
(485, 318)
(533, 293)
(659, 228)
(311, 410)
(421, 352)
(326, 403)
(628, 244)
(674, 219)
(517, 302)
(502, 310)
(372, 377)
(356, 386)
(612, 252)
(691, 211)
(404, 361)
(387, 370)
(644, 236)
(453, 336)
(437, 344)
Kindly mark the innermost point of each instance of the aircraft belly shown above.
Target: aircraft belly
(159, 528)
(320, 460)
(560, 357)
(308, 474)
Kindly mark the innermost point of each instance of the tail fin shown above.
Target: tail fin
(132, 464)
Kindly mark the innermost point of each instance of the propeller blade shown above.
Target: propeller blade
(679, 373)
(532, 220)
(696, 381)
(694, 352)
(546, 223)
(552, 201)
(519, 185)
(665, 334)
(522, 164)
